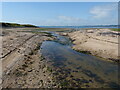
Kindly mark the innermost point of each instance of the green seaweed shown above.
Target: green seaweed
(49, 69)
(116, 29)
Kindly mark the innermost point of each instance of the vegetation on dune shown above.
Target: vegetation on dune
(15, 25)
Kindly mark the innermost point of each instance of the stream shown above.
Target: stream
(75, 69)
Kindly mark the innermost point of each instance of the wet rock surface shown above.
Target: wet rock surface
(24, 67)
(72, 69)
(98, 42)
(27, 66)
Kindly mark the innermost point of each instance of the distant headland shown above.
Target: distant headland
(15, 25)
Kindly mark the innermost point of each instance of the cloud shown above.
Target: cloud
(68, 18)
(103, 11)
(99, 15)
(73, 21)
(63, 20)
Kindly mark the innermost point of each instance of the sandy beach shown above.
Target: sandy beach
(98, 42)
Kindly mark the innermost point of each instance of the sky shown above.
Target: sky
(60, 13)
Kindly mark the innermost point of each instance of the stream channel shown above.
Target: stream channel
(75, 69)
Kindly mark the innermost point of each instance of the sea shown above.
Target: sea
(77, 27)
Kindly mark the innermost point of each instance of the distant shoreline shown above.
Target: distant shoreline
(78, 27)
(15, 25)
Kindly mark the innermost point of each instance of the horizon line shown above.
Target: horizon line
(59, 25)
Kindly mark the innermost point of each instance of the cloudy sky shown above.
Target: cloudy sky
(61, 13)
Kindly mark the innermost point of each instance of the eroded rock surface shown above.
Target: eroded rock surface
(102, 42)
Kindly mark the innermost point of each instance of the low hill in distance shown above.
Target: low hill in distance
(15, 25)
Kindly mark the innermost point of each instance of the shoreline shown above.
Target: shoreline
(102, 43)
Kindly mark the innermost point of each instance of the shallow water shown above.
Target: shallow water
(81, 70)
